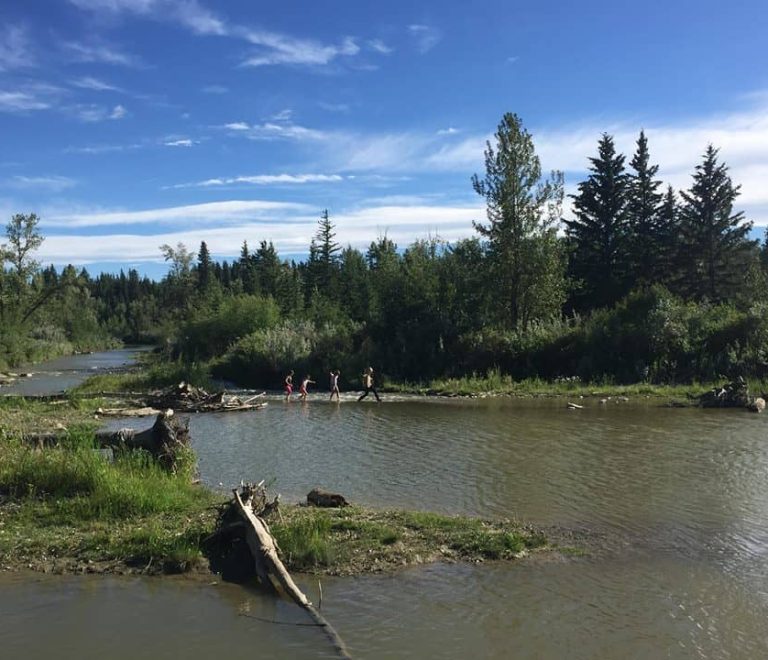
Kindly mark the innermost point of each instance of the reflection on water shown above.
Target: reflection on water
(679, 495)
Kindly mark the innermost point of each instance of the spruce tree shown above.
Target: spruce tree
(523, 252)
(714, 245)
(646, 245)
(324, 253)
(669, 237)
(598, 235)
(203, 267)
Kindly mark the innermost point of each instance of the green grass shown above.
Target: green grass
(151, 374)
(495, 383)
(356, 540)
(72, 501)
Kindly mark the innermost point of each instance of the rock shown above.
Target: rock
(323, 498)
(758, 405)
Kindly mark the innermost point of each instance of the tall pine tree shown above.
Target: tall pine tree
(647, 239)
(598, 235)
(714, 247)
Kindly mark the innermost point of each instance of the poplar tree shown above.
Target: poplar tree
(714, 248)
(523, 214)
(598, 235)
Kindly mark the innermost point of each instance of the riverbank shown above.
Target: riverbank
(70, 508)
(152, 373)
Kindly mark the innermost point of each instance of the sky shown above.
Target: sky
(127, 124)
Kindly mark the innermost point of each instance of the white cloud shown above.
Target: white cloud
(118, 112)
(213, 212)
(15, 48)
(448, 131)
(215, 89)
(99, 53)
(46, 183)
(263, 180)
(278, 48)
(272, 130)
(379, 46)
(96, 113)
(188, 13)
(183, 142)
(88, 82)
(358, 227)
(425, 37)
(16, 101)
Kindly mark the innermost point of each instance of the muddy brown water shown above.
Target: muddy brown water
(674, 501)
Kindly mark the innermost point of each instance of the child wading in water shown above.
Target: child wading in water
(368, 385)
(303, 388)
(289, 385)
(335, 384)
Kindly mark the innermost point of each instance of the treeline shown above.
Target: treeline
(639, 282)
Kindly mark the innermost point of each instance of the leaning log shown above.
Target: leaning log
(267, 562)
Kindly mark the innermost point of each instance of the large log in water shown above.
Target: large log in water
(267, 561)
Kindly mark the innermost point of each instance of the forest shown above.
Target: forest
(637, 282)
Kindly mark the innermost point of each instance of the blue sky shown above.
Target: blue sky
(130, 123)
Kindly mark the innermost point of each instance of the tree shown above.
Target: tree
(180, 275)
(523, 216)
(324, 256)
(204, 267)
(647, 237)
(23, 239)
(598, 235)
(714, 245)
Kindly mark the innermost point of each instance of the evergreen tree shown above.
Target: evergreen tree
(324, 256)
(714, 245)
(669, 237)
(204, 267)
(647, 239)
(521, 233)
(598, 234)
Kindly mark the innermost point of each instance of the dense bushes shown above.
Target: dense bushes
(262, 358)
(651, 335)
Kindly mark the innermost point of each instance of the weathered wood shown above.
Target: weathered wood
(574, 406)
(267, 561)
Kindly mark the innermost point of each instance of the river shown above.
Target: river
(674, 503)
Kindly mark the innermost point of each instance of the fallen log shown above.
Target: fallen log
(127, 412)
(164, 440)
(267, 562)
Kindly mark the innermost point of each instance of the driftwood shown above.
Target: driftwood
(188, 398)
(731, 395)
(574, 406)
(164, 440)
(320, 497)
(127, 412)
(250, 506)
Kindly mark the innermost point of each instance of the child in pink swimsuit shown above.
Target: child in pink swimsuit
(303, 388)
(289, 385)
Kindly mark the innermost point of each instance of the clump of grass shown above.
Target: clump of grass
(149, 375)
(305, 541)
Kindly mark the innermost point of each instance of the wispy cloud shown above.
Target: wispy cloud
(425, 37)
(15, 48)
(275, 48)
(214, 89)
(99, 53)
(274, 130)
(290, 227)
(262, 180)
(448, 131)
(270, 48)
(46, 183)
(189, 13)
(96, 113)
(15, 101)
(213, 212)
(379, 46)
(182, 142)
(94, 84)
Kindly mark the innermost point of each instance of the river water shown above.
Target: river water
(673, 504)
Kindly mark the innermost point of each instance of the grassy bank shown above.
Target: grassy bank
(495, 383)
(73, 508)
